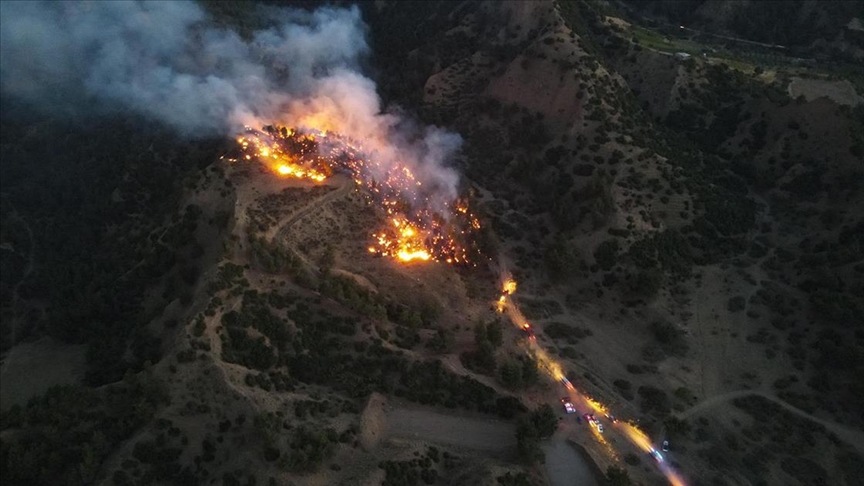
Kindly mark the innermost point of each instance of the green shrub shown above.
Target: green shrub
(606, 254)
(670, 338)
(736, 304)
(86, 425)
(654, 401)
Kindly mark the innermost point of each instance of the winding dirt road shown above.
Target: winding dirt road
(278, 229)
(853, 437)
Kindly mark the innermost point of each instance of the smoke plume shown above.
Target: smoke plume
(169, 62)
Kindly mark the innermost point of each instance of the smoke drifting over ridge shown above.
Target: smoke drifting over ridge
(163, 60)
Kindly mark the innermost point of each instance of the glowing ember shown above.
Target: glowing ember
(405, 242)
(300, 173)
(407, 256)
(416, 232)
(286, 160)
(507, 289)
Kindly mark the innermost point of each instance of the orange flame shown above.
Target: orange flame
(415, 232)
(274, 156)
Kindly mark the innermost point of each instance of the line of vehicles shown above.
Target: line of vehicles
(593, 421)
(589, 417)
(529, 332)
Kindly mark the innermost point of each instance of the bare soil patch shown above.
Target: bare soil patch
(371, 421)
(478, 433)
(29, 369)
(841, 92)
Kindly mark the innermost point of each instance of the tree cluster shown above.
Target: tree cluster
(531, 429)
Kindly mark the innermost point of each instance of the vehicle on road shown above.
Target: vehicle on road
(594, 422)
(656, 455)
(568, 405)
(611, 418)
(529, 332)
(665, 446)
(566, 383)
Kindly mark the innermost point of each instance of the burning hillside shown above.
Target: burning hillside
(205, 80)
(419, 226)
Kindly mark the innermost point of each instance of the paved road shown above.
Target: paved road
(644, 18)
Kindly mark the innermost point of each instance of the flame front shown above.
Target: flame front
(404, 242)
(273, 154)
(415, 231)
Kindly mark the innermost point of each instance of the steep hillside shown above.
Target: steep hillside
(634, 187)
(789, 23)
(686, 238)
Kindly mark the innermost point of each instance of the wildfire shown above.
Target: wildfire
(284, 160)
(415, 231)
(295, 171)
(507, 289)
(404, 242)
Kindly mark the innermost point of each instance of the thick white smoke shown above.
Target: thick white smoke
(166, 61)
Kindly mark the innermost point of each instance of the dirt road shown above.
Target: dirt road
(604, 447)
(853, 437)
(429, 425)
(282, 227)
